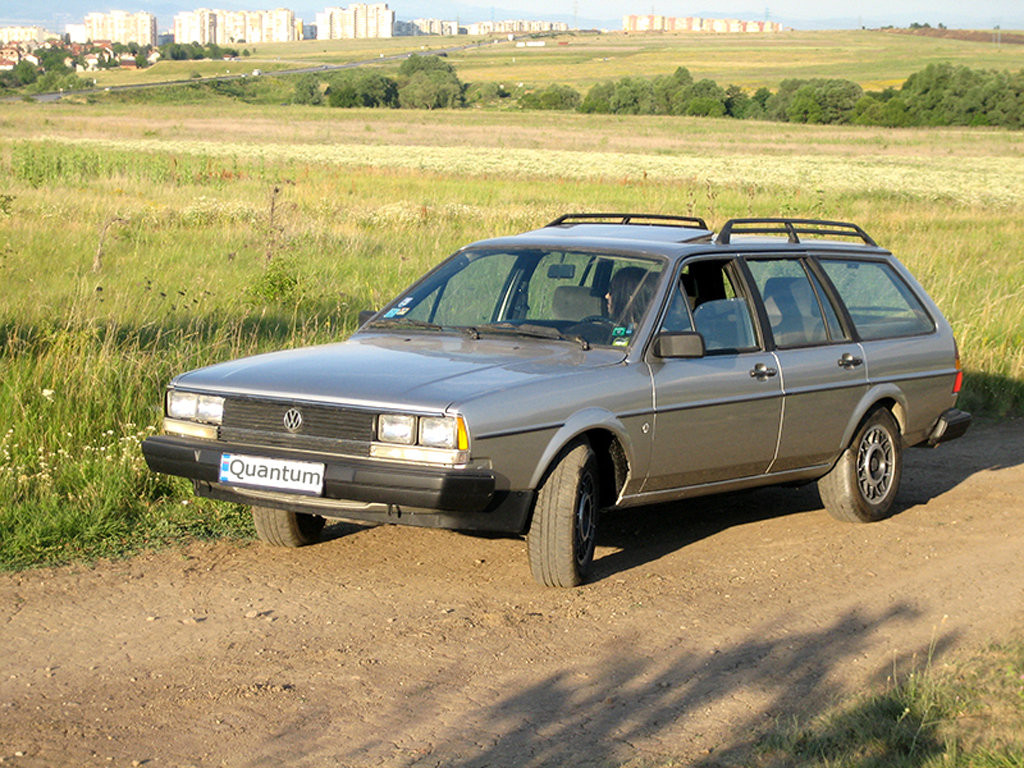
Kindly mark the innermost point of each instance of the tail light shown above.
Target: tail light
(958, 381)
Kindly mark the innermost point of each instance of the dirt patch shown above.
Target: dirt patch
(410, 647)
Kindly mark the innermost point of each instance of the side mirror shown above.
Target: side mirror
(365, 316)
(681, 344)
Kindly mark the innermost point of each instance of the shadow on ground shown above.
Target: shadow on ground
(645, 534)
(612, 710)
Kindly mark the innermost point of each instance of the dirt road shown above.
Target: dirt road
(405, 647)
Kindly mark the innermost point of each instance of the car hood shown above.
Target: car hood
(421, 371)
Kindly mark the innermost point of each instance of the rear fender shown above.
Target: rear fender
(871, 398)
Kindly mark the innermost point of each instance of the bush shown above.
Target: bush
(307, 90)
(416, 63)
(552, 97)
(362, 88)
(431, 89)
(598, 99)
(486, 93)
(815, 101)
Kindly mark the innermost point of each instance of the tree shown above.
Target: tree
(24, 73)
(362, 88)
(598, 99)
(552, 97)
(431, 90)
(307, 90)
(632, 96)
(429, 82)
(430, 63)
(804, 106)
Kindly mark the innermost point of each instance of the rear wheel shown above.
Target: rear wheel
(286, 529)
(560, 542)
(862, 485)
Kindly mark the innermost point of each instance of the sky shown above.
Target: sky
(800, 14)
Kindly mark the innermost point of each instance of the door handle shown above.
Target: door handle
(849, 361)
(762, 372)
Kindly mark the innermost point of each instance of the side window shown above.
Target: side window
(880, 304)
(794, 310)
(720, 312)
(677, 318)
(835, 327)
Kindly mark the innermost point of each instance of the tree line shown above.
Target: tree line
(940, 94)
(422, 82)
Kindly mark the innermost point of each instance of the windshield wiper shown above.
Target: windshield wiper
(535, 332)
(404, 322)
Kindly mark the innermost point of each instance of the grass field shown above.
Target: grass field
(873, 59)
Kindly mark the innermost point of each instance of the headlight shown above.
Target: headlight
(396, 428)
(448, 432)
(190, 406)
(438, 432)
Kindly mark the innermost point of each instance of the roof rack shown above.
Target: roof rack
(637, 219)
(792, 228)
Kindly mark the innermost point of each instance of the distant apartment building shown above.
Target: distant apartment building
(206, 26)
(76, 33)
(24, 35)
(435, 27)
(654, 23)
(198, 26)
(515, 26)
(358, 20)
(276, 26)
(121, 27)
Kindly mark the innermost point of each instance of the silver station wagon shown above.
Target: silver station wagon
(604, 361)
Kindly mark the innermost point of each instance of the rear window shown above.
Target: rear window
(880, 304)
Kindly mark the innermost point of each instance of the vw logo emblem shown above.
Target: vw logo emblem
(292, 419)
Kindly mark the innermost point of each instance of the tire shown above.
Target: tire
(862, 486)
(286, 529)
(560, 542)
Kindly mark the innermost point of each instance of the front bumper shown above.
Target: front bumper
(354, 488)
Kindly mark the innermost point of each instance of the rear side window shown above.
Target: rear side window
(794, 309)
(880, 304)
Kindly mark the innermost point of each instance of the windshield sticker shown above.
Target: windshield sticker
(621, 341)
(402, 311)
(405, 301)
(391, 313)
(621, 331)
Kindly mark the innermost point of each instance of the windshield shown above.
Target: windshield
(597, 297)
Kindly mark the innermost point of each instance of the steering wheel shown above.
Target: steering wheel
(597, 319)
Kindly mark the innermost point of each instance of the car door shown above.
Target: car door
(822, 370)
(716, 417)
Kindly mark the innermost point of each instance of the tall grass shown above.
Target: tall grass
(126, 260)
(968, 714)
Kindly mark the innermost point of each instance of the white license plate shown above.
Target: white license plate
(277, 474)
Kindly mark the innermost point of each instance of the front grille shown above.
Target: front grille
(333, 429)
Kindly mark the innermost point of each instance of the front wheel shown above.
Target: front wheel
(286, 529)
(862, 485)
(561, 539)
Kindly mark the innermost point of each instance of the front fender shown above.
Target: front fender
(577, 424)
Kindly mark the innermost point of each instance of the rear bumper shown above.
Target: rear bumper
(951, 425)
(354, 489)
